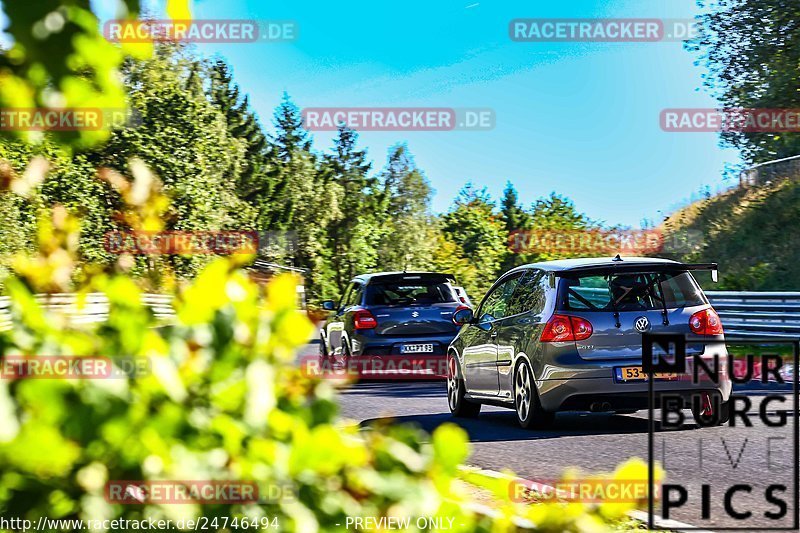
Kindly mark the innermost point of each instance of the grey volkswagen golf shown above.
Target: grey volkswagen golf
(567, 336)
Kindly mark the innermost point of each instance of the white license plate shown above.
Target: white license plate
(416, 348)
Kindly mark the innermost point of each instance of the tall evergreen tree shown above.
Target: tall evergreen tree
(513, 215)
(291, 137)
(515, 220)
(410, 237)
(355, 235)
(301, 191)
(557, 212)
(255, 182)
(277, 203)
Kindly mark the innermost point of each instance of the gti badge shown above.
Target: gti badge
(641, 324)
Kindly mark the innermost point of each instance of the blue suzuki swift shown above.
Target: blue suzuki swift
(393, 316)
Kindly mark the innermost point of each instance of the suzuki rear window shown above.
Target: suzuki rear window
(410, 293)
(631, 292)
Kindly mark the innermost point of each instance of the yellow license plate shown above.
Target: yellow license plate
(635, 373)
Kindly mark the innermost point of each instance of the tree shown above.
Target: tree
(275, 203)
(314, 207)
(291, 137)
(254, 178)
(513, 215)
(515, 219)
(475, 228)
(186, 141)
(556, 230)
(410, 235)
(353, 236)
(448, 257)
(302, 200)
(557, 212)
(751, 49)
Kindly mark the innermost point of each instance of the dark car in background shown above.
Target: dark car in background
(567, 336)
(392, 318)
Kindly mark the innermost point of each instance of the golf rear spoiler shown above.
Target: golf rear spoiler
(632, 267)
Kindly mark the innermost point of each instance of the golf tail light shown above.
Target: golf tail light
(561, 328)
(581, 328)
(363, 319)
(706, 322)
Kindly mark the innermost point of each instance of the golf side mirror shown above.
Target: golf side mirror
(329, 305)
(463, 315)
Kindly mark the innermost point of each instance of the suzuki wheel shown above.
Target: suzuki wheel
(323, 348)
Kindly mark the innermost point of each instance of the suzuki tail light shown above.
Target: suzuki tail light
(363, 319)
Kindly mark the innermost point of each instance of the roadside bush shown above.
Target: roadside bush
(221, 400)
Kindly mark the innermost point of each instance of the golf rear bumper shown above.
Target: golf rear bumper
(578, 394)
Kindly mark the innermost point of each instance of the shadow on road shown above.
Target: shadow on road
(398, 389)
(493, 424)
(501, 425)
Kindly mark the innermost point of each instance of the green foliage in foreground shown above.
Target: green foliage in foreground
(222, 400)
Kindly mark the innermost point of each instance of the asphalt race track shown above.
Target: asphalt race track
(720, 456)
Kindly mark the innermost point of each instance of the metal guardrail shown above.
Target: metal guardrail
(770, 172)
(758, 314)
(743, 314)
(93, 307)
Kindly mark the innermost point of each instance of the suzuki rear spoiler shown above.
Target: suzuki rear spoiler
(634, 267)
(435, 277)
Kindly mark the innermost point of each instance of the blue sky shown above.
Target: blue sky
(581, 119)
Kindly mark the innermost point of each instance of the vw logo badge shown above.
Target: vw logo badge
(415, 314)
(641, 324)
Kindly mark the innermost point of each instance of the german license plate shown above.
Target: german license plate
(635, 373)
(416, 348)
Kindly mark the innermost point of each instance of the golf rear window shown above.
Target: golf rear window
(631, 292)
(410, 292)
